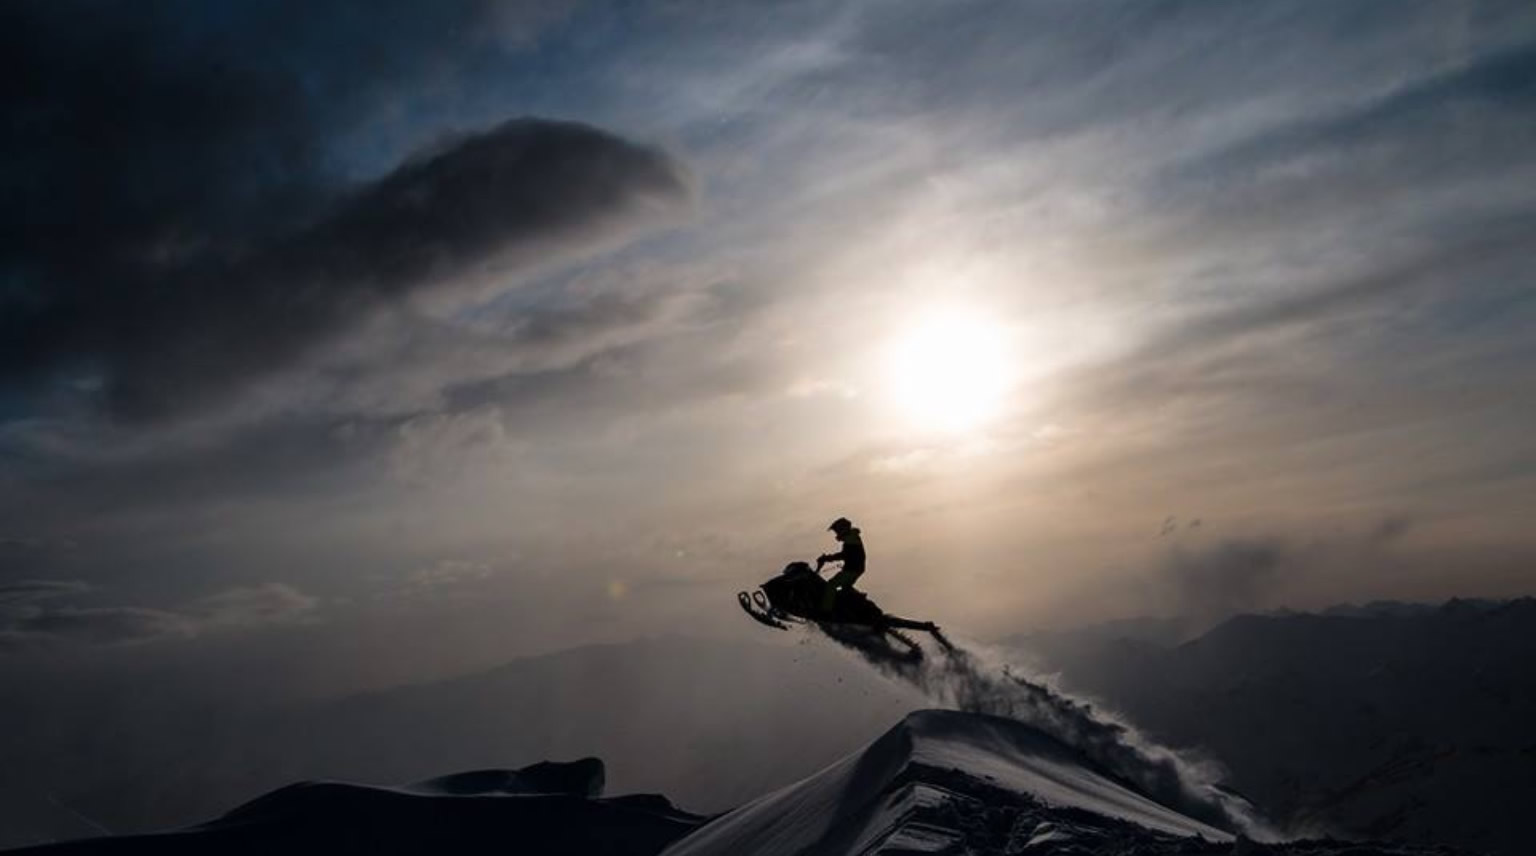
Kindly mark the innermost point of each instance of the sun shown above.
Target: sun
(950, 371)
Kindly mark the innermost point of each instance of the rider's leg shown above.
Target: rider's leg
(840, 580)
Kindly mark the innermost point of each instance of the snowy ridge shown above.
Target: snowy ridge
(974, 681)
(888, 797)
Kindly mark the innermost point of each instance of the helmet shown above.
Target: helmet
(841, 524)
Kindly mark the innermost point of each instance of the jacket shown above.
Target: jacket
(852, 554)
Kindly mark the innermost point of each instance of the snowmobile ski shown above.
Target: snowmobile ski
(761, 617)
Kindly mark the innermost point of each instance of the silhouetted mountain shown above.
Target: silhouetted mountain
(1388, 721)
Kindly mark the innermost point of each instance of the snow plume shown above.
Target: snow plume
(973, 682)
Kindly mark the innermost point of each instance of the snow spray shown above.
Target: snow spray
(971, 682)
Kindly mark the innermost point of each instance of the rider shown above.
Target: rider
(852, 557)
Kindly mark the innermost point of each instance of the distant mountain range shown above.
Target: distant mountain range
(1386, 720)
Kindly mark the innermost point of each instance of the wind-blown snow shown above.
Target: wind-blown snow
(967, 681)
(1028, 761)
(864, 799)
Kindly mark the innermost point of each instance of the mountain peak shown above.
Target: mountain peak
(931, 765)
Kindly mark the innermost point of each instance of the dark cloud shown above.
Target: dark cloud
(539, 369)
(25, 591)
(114, 625)
(181, 225)
(1259, 571)
(255, 461)
(1231, 576)
(169, 129)
(26, 624)
(499, 197)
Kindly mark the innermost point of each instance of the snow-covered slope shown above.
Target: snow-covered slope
(910, 791)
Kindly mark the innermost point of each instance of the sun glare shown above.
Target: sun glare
(950, 371)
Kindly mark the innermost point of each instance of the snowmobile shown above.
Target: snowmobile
(798, 595)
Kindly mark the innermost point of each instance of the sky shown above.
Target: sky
(452, 332)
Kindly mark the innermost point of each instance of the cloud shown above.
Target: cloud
(1497, 86)
(26, 591)
(266, 603)
(1253, 572)
(1231, 576)
(489, 203)
(407, 399)
(444, 578)
(156, 134)
(450, 572)
(30, 555)
(1260, 346)
(1438, 155)
(118, 625)
(26, 625)
(411, 363)
(201, 198)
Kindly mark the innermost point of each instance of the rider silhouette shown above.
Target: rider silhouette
(852, 557)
